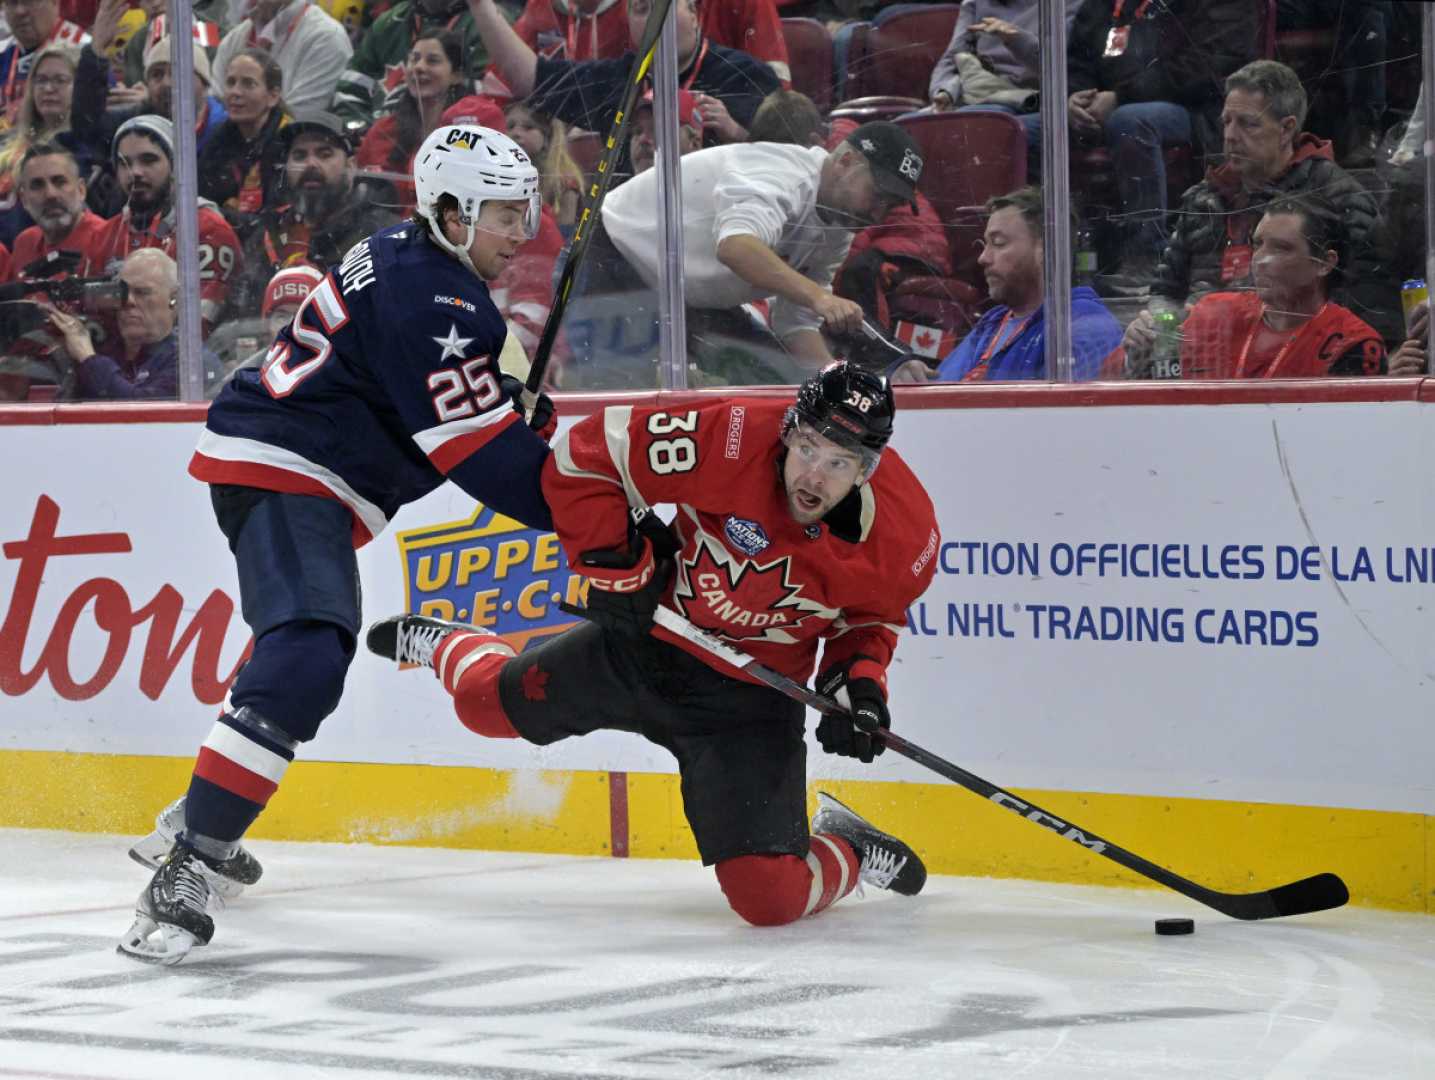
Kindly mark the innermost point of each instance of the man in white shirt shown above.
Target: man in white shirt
(760, 220)
(311, 48)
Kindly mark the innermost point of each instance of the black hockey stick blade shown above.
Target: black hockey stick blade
(643, 59)
(1318, 893)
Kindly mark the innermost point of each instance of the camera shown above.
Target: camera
(44, 280)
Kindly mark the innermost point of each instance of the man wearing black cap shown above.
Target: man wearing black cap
(322, 213)
(760, 220)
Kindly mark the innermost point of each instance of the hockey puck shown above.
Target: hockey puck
(1175, 926)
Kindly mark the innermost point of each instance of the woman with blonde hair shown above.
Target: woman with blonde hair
(44, 113)
(544, 139)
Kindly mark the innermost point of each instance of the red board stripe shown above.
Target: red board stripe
(618, 813)
(220, 771)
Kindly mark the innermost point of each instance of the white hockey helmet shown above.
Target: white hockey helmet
(473, 164)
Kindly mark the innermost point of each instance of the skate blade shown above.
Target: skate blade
(150, 851)
(156, 943)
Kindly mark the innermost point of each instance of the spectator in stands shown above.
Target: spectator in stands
(1145, 76)
(788, 116)
(1362, 32)
(1009, 341)
(574, 29)
(729, 85)
(239, 343)
(750, 25)
(211, 22)
(350, 15)
(321, 213)
(209, 111)
(598, 29)
(995, 46)
(523, 293)
(144, 362)
(53, 192)
(545, 140)
(240, 167)
(33, 25)
(433, 83)
(130, 22)
(377, 68)
(760, 220)
(144, 163)
(1287, 326)
(310, 48)
(643, 142)
(1410, 358)
(44, 115)
(1268, 155)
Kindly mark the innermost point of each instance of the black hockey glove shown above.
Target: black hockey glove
(544, 417)
(852, 735)
(626, 584)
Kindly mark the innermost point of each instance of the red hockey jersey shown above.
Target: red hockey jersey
(220, 257)
(748, 571)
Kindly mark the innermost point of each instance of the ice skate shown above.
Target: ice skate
(172, 914)
(230, 876)
(413, 639)
(887, 863)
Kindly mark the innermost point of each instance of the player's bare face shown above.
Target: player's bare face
(497, 235)
(143, 171)
(817, 474)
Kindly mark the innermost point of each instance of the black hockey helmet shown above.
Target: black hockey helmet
(850, 406)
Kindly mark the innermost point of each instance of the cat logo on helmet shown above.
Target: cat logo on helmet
(466, 137)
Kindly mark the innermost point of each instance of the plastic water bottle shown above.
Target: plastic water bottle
(1166, 358)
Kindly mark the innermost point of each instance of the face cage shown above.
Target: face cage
(868, 459)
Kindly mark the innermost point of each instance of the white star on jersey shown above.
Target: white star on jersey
(453, 344)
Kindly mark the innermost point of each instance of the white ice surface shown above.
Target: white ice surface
(373, 962)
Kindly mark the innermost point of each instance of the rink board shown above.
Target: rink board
(1194, 620)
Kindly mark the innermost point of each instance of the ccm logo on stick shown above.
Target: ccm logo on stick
(1056, 825)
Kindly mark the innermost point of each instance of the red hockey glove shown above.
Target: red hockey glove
(853, 735)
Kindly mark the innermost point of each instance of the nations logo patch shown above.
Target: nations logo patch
(747, 536)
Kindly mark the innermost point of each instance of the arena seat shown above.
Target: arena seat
(893, 56)
(809, 54)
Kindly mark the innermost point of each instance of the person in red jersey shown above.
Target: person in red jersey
(143, 153)
(1288, 327)
(53, 194)
(796, 527)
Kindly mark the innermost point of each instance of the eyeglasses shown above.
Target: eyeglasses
(52, 82)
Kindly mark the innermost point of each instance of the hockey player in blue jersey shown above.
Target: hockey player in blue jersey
(386, 383)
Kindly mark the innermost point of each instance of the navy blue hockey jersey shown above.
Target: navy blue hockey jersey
(385, 384)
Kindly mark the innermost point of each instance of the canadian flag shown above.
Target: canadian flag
(923, 340)
(205, 33)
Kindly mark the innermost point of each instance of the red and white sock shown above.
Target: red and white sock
(834, 867)
(468, 664)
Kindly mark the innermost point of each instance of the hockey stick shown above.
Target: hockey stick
(597, 192)
(1318, 893)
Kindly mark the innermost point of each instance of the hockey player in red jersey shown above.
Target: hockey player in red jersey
(795, 526)
(369, 399)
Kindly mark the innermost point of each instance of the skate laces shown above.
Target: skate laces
(190, 887)
(416, 644)
(880, 866)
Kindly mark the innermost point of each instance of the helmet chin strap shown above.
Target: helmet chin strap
(459, 253)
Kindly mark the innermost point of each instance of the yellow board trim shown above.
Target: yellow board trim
(1386, 858)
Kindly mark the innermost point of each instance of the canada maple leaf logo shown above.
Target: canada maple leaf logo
(741, 599)
(535, 682)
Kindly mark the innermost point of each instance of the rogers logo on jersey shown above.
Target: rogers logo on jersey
(735, 417)
(926, 556)
(454, 301)
(747, 536)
